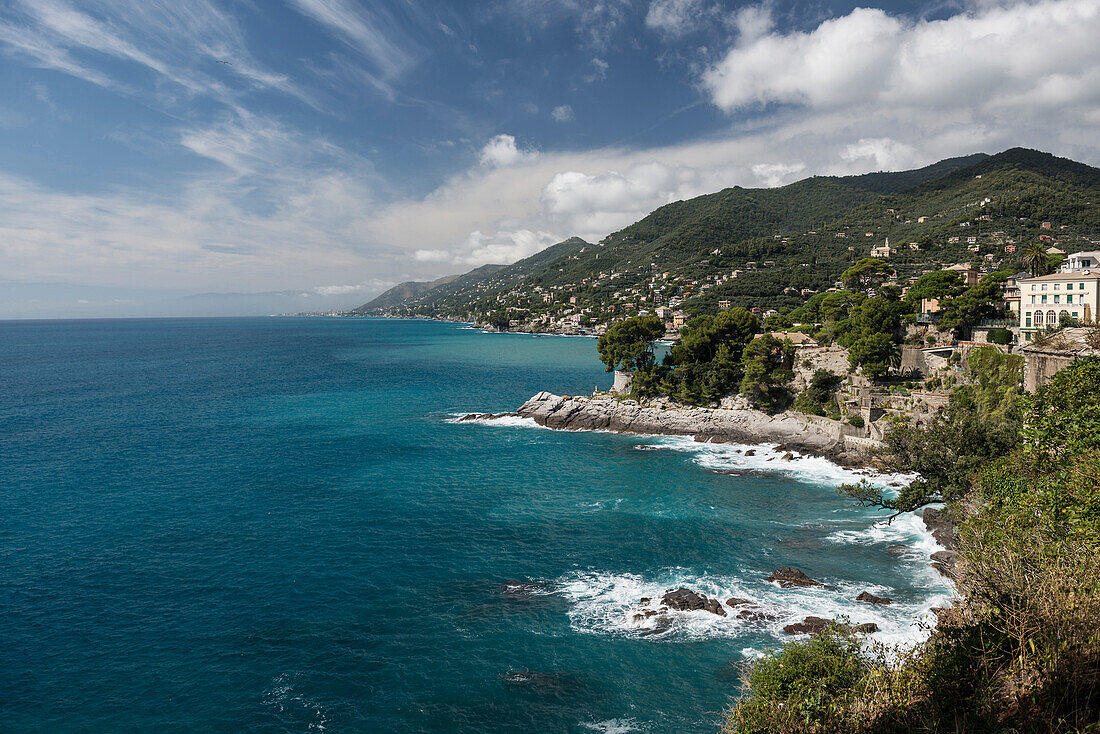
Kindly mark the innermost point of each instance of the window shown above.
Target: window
(1032, 286)
(1033, 299)
(1063, 316)
(1038, 318)
(1082, 286)
(1074, 314)
(1044, 299)
(1051, 318)
(1057, 299)
(1057, 286)
(1044, 286)
(1027, 322)
(1069, 286)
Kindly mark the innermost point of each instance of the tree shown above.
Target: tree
(767, 366)
(1035, 259)
(1063, 417)
(867, 274)
(937, 284)
(499, 320)
(628, 345)
(876, 353)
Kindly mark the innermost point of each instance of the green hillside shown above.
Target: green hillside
(783, 243)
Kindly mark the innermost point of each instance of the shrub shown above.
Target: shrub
(856, 420)
(809, 686)
(999, 336)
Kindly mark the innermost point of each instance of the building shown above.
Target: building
(969, 275)
(1012, 292)
(1081, 261)
(800, 340)
(723, 305)
(1050, 300)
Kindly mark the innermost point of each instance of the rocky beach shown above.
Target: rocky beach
(734, 422)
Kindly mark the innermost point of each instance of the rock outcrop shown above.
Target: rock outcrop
(817, 625)
(787, 577)
(790, 430)
(686, 600)
(870, 598)
(941, 526)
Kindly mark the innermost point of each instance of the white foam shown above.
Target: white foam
(612, 726)
(732, 457)
(504, 421)
(606, 603)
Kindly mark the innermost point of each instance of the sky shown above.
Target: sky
(201, 157)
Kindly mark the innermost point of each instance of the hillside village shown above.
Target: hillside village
(998, 250)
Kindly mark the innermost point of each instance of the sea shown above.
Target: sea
(279, 525)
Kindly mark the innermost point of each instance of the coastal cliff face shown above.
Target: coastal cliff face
(739, 425)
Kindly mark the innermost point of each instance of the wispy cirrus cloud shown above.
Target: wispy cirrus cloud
(179, 42)
(362, 30)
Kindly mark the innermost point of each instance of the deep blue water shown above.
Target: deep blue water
(274, 525)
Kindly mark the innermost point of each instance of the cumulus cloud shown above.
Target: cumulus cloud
(432, 256)
(563, 113)
(503, 247)
(501, 151)
(987, 59)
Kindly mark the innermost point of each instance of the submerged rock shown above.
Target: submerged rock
(870, 598)
(486, 416)
(788, 576)
(733, 602)
(535, 679)
(684, 599)
(523, 591)
(756, 614)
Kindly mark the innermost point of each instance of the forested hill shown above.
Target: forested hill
(412, 291)
(771, 247)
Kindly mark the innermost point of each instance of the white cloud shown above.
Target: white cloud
(503, 247)
(501, 151)
(370, 286)
(675, 17)
(563, 113)
(432, 256)
(360, 30)
(983, 60)
(599, 70)
(881, 154)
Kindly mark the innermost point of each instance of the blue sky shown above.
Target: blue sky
(348, 145)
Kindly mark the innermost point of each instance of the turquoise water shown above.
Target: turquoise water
(275, 525)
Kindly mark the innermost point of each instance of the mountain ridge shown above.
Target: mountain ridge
(782, 242)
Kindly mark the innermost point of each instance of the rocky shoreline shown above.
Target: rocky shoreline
(735, 423)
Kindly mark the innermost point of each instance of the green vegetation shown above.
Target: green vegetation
(767, 364)
(784, 244)
(628, 345)
(817, 398)
(706, 364)
(1020, 652)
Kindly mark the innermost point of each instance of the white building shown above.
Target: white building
(1048, 300)
(1081, 261)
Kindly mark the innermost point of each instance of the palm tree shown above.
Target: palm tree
(1035, 259)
